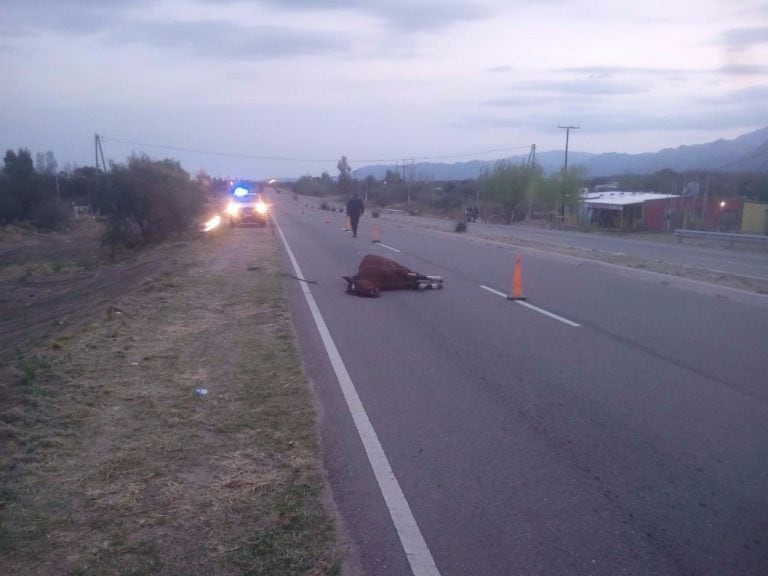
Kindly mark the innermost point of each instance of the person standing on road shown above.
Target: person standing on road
(355, 209)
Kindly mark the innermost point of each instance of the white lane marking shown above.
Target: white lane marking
(493, 291)
(411, 539)
(535, 308)
(550, 314)
(389, 247)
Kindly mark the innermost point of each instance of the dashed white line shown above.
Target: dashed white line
(413, 543)
(535, 308)
(547, 313)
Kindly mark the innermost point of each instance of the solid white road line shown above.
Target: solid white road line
(411, 539)
(389, 247)
(492, 290)
(532, 307)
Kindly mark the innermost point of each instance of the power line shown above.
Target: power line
(291, 159)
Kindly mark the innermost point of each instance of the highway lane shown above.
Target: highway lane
(633, 444)
(750, 262)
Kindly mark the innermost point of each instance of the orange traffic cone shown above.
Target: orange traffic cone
(517, 282)
(376, 234)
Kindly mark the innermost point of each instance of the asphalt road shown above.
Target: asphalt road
(748, 261)
(621, 427)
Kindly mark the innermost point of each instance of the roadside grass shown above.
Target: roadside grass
(24, 272)
(111, 463)
(26, 253)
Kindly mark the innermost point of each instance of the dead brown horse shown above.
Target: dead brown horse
(377, 273)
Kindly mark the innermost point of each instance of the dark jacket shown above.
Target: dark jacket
(355, 208)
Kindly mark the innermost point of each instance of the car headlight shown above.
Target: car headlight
(212, 223)
(262, 208)
(233, 208)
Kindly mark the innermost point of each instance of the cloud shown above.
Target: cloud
(22, 17)
(740, 108)
(743, 38)
(611, 71)
(580, 87)
(406, 16)
(753, 96)
(500, 69)
(744, 69)
(220, 39)
(608, 71)
(227, 38)
(209, 38)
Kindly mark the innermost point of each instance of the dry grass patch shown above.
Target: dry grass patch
(115, 465)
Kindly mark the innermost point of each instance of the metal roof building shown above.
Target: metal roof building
(617, 209)
(616, 200)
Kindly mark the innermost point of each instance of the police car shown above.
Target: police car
(246, 206)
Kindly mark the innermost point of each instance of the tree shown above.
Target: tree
(394, 189)
(26, 195)
(548, 193)
(570, 183)
(18, 165)
(345, 175)
(392, 178)
(508, 184)
(157, 196)
(14, 180)
(46, 163)
(20, 188)
(82, 187)
(309, 186)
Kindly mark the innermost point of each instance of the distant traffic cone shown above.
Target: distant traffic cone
(517, 282)
(376, 234)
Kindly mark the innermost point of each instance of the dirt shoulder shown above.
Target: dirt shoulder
(115, 461)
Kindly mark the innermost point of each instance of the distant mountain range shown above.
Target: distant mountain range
(747, 153)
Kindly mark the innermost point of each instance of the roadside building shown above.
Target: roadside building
(656, 212)
(696, 212)
(620, 210)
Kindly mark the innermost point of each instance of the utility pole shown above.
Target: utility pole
(409, 178)
(532, 156)
(565, 169)
(99, 152)
(567, 138)
(532, 163)
(706, 200)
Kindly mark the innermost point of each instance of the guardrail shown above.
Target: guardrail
(729, 237)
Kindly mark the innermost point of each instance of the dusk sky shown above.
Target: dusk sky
(285, 88)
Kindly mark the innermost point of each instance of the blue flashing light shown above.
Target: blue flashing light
(240, 191)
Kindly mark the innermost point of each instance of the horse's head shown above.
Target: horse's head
(361, 287)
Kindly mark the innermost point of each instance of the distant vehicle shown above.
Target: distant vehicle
(246, 206)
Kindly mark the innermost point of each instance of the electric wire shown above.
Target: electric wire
(292, 159)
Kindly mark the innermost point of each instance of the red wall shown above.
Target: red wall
(722, 218)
